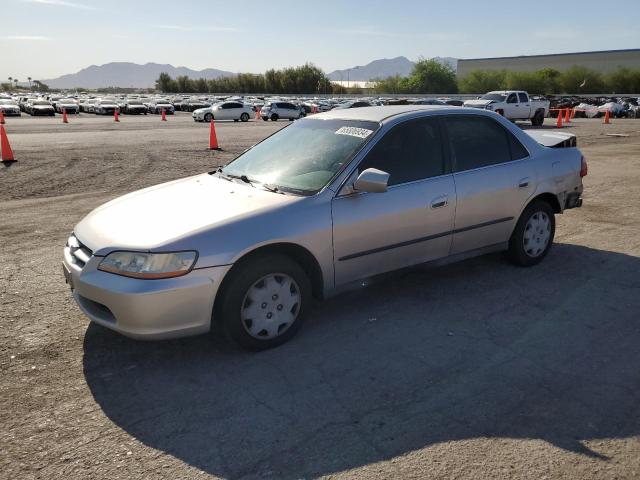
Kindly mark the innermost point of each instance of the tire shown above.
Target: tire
(244, 117)
(538, 119)
(208, 117)
(235, 303)
(528, 246)
(265, 119)
(274, 118)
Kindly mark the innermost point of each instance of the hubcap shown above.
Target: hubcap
(537, 233)
(270, 306)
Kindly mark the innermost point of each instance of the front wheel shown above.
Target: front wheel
(532, 238)
(263, 301)
(244, 117)
(208, 117)
(274, 118)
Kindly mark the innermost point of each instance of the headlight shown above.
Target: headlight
(488, 107)
(149, 265)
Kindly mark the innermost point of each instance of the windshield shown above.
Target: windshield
(107, 102)
(41, 102)
(500, 97)
(305, 156)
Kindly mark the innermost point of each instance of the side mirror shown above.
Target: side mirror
(371, 180)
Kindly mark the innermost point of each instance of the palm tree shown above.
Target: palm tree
(15, 80)
(29, 78)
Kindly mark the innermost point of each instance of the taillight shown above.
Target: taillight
(584, 169)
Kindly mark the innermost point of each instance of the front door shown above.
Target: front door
(411, 222)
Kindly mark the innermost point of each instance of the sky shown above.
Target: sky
(47, 38)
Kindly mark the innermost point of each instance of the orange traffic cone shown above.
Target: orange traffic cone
(164, 115)
(1, 117)
(64, 116)
(559, 121)
(573, 113)
(5, 148)
(567, 116)
(213, 138)
(606, 117)
(116, 116)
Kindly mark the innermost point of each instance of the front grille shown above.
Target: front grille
(80, 253)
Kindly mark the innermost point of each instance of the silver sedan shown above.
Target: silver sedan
(313, 209)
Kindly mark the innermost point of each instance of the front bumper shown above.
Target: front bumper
(145, 309)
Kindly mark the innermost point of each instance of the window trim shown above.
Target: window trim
(454, 161)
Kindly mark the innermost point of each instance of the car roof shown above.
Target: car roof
(379, 114)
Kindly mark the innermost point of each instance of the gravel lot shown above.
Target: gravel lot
(474, 370)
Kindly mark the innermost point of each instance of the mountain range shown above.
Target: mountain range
(127, 74)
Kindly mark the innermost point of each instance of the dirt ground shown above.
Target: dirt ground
(473, 370)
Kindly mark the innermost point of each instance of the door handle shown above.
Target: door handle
(440, 202)
(524, 182)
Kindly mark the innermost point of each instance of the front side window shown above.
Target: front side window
(477, 142)
(304, 156)
(512, 98)
(410, 151)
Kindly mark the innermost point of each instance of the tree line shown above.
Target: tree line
(297, 80)
(427, 77)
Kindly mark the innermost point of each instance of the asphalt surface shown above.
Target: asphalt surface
(473, 370)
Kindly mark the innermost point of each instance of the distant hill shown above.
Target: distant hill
(126, 74)
(383, 68)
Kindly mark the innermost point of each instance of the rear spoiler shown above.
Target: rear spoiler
(553, 140)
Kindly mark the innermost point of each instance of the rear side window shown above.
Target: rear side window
(477, 142)
(410, 151)
(517, 149)
(523, 97)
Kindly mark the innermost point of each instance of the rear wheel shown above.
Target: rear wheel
(538, 119)
(274, 118)
(263, 301)
(532, 238)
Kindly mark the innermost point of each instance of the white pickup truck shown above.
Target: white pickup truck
(514, 105)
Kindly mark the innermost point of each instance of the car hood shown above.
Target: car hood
(478, 103)
(202, 110)
(153, 218)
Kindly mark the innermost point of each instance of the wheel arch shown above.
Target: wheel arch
(296, 252)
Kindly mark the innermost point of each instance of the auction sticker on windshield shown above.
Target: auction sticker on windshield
(354, 132)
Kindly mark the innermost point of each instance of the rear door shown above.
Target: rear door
(524, 105)
(493, 179)
(408, 224)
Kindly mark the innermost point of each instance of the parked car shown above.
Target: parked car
(106, 106)
(9, 107)
(276, 110)
(134, 107)
(427, 101)
(88, 106)
(514, 105)
(320, 205)
(68, 105)
(224, 111)
(157, 106)
(353, 104)
(193, 104)
(39, 107)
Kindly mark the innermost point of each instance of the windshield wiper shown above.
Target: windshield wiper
(229, 176)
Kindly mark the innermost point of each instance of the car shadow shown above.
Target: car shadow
(476, 349)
